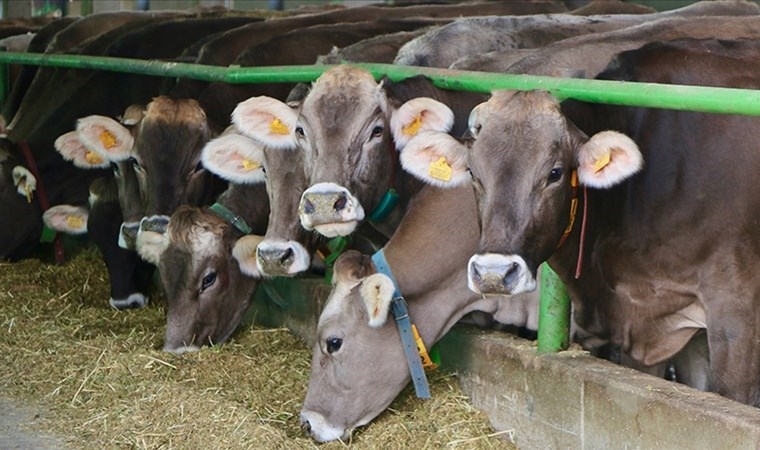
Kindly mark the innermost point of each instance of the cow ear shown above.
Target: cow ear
(235, 158)
(436, 158)
(377, 293)
(417, 115)
(67, 219)
(607, 159)
(105, 136)
(72, 149)
(244, 253)
(266, 120)
(25, 182)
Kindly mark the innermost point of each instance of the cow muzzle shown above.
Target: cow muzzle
(330, 210)
(281, 258)
(128, 235)
(492, 273)
(315, 426)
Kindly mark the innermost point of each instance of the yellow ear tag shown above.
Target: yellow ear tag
(277, 127)
(29, 192)
(74, 221)
(107, 139)
(440, 170)
(413, 128)
(602, 162)
(93, 158)
(249, 165)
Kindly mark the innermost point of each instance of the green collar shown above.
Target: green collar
(236, 221)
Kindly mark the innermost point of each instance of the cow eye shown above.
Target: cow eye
(198, 167)
(299, 132)
(333, 344)
(135, 163)
(555, 174)
(208, 281)
(377, 131)
(115, 168)
(475, 129)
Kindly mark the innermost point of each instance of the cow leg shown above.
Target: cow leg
(692, 363)
(129, 275)
(733, 335)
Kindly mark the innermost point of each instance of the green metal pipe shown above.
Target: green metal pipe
(687, 98)
(553, 313)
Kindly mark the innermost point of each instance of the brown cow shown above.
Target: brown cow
(668, 249)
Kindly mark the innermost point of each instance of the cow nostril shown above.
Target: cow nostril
(512, 271)
(286, 255)
(308, 206)
(340, 203)
(306, 426)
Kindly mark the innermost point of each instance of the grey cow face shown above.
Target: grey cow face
(523, 161)
(343, 131)
(207, 293)
(357, 369)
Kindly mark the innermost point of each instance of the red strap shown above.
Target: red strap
(42, 198)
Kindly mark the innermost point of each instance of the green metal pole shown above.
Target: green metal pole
(553, 313)
(87, 7)
(686, 98)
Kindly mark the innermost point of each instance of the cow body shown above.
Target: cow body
(669, 250)
(468, 36)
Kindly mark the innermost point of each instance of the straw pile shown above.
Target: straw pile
(106, 384)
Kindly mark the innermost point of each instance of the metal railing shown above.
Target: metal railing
(554, 314)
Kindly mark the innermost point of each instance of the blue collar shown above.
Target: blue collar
(401, 314)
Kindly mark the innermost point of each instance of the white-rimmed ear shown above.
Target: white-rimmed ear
(244, 253)
(132, 115)
(607, 159)
(235, 158)
(24, 181)
(72, 149)
(377, 293)
(105, 136)
(67, 219)
(266, 120)
(417, 115)
(436, 158)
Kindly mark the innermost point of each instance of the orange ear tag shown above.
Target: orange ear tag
(93, 158)
(413, 128)
(440, 170)
(602, 162)
(74, 221)
(107, 139)
(277, 127)
(249, 165)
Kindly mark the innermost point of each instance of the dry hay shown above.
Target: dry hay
(107, 384)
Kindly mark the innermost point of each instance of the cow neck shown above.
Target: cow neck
(390, 198)
(42, 198)
(232, 218)
(571, 223)
(417, 356)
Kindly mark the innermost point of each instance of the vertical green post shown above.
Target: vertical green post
(5, 4)
(553, 313)
(87, 7)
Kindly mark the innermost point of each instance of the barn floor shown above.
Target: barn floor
(103, 381)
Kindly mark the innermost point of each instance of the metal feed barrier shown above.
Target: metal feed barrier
(554, 312)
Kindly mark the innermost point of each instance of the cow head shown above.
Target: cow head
(522, 158)
(358, 364)
(206, 292)
(241, 160)
(163, 147)
(342, 127)
(82, 154)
